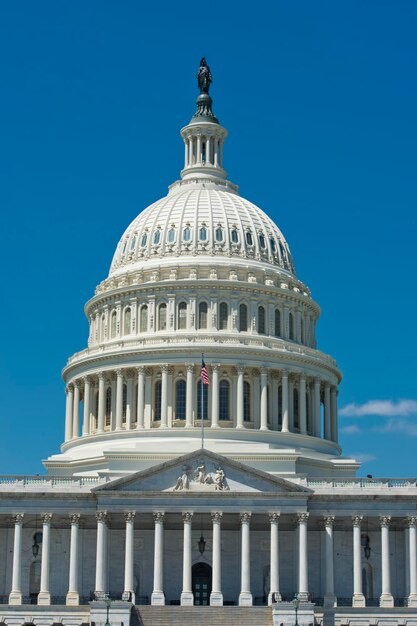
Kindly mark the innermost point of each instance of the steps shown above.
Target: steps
(206, 615)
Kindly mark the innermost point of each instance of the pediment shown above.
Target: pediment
(202, 471)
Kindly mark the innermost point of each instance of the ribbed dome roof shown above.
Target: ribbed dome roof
(201, 219)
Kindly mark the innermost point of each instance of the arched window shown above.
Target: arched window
(243, 318)
(143, 319)
(202, 315)
(219, 234)
(249, 238)
(261, 320)
(162, 317)
(171, 235)
(144, 240)
(246, 402)
(203, 233)
(277, 323)
(182, 316)
(235, 236)
(113, 324)
(124, 405)
(224, 393)
(157, 402)
(186, 234)
(127, 326)
(273, 246)
(133, 243)
(180, 394)
(157, 237)
(262, 242)
(223, 316)
(205, 400)
(108, 406)
(291, 325)
(296, 410)
(124, 247)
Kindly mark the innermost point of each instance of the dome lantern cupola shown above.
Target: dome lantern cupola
(203, 136)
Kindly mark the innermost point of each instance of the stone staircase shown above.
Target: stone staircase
(205, 615)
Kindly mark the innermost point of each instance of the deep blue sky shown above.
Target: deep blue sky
(320, 102)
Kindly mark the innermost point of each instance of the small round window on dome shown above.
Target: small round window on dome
(262, 242)
(133, 243)
(219, 234)
(203, 233)
(272, 244)
(144, 240)
(171, 235)
(249, 239)
(157, 237)
(235, 236)
(186, 235)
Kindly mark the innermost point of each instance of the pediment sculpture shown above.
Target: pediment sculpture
(201, 478)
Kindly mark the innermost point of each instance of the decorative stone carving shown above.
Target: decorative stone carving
(159, 517)
(220, 483)
(385, 520)
(201, 478)
(274, 517)
(302, 518)
(102, 516)
(411, 521)
(130, 516)
(18, 518)
(46, 518)
(183, 481)
(74, 518)
(329, 520)
(357, 520)
(187, 517)
(245, 517)
(216, 517)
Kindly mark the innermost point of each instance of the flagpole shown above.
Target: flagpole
(202, 407)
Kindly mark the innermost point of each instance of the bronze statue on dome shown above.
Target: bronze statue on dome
(204, 78)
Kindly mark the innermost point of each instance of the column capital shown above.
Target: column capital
(140, 369)
(86, 379)
(102, 516)
(74, 518)
(274, 517)
(411, 521)
(303, 376)
(264, 370)
(284, 372)
(18, 518)
(357, 520)
(159, 517)
(187, 517)
(190, 367)
(77, 383)
(129, 516)
(302, 518)
(164, 368)
(101, 376)
(329, 520)
(240, 368)
(385, 521)
(119, 371)
(46, 518)
(216, 517)
(245, 517)
(69, 387)
(215, 367)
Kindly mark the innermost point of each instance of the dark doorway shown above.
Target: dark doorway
(201, 584)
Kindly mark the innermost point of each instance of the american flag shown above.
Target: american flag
(204, 373)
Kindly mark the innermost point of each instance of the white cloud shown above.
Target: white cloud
(381, 408)
(399, 426)
(351, 429)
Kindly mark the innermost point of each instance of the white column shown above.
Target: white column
(303, 405)
(187, 598)
(68, 412)
(215, 396)
(15, 596)
(412, 542)
(140, 408)
(129, 402)
(189, 398)
(302, 519)
(158, 596)
(185, 153)
(101, 402)
(291, 404)
(329, 595)
(119, 399)
(87, 405)
(327, 413)
(358, 597)
(274, 592)
(239, 397)
(76, 411)
(208, 151)
(216, 596)
(264, 399)
(386, 598)
(285, 409)
(101, 557)
(333, 408)
(316, 414)
(44, 595)
(245, 596)
(164, 396)
(73, 596)
(198, 155)
(129, 591)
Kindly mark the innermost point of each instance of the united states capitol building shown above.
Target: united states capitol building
(172, 501)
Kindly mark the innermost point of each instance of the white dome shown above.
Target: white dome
(201, 218)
